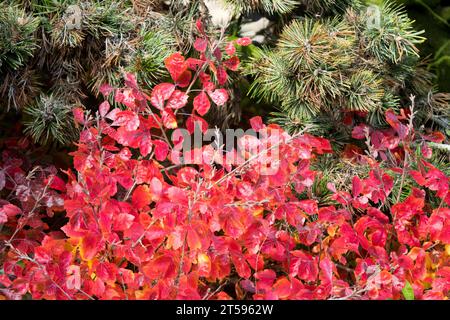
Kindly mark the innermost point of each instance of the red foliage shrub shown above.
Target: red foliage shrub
(144, 225)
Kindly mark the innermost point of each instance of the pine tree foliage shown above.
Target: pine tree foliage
(322, 68)
(269, 6)
(288, 6)
(395, 38)
(17, 29)
(44, 53)
(20, 87)
(329, 6)
(49, 119)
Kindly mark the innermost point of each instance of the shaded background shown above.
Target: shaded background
(433, 16)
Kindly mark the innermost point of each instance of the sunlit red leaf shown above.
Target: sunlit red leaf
(204, 265)
(141, 197)
(90, 245)
(176, 65)
(127, 119)
(104, 108)
(219, 96)
(168, 119)
(160, 94)
(282, 288)
(73, 281)
(177, 100)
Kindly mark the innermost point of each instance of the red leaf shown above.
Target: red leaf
(130, 81)
(308, 206)
(105, 89)
(256, 123)
(161, 150)
(439, 225)
(73, 281)
(141, 197)
(176, 65)
(104, 108)
(193, 239)
(57, 183)
(184, 79)
(436, 136)
(246, 41)
(11, 210)
(201, 103)
(177, 100)
(112, 115)
(222, 75)
(241, 265)
(232, 63)
(193, 121)
(230, 49)
(201, 44)
(90, 245)
(199, 25)
(145, 145)
(127, 119)
(356, 186)
(208, 86)
(122, 221)
(156, 189)
(161, 93)
(127, 97)
(187, 176)
(265, 278)
(218, 54)
(168, 119)
(194, 64)
(282, 288)
(303, 265)
(219, 96)
(418, 177)
(426, 151)
(359, 132)
(326, 272)
(106, 271)
(395, 123)
(3, 217)
(78, 114)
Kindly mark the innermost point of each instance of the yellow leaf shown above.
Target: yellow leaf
(332, 230)
(258, 212)
(204, 265)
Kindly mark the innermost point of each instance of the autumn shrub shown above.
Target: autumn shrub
(146, 219)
